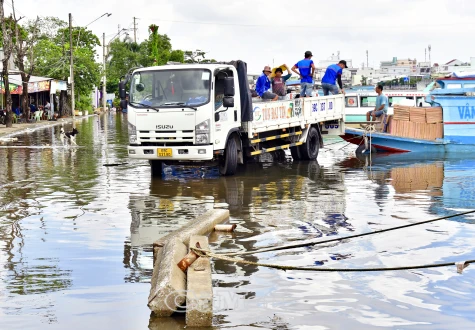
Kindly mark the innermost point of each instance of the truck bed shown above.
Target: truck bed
(274, 115)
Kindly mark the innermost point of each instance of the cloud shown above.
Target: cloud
(267, 32)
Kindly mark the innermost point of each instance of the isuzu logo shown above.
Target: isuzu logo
(164, 127)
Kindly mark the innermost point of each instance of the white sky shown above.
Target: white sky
(266, 32)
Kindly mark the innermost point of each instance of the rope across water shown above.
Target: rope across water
(227, 256)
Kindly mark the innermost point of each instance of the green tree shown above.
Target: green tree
(122, 57)
(52, 55)
(7, 44)
(197, 56)
(125, 55)
(24, 57)
(177, 56)
(364, 81)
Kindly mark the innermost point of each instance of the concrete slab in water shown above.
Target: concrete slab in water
(199, 291)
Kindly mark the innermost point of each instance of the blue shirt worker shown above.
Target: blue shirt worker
(263, 85)
(306, 70)
(381, 105)
(331, 77)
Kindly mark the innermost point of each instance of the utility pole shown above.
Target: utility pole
(429, 51)
(425, 54)
(73, 105)
(104, 69)
(367, 59)
(135, 30)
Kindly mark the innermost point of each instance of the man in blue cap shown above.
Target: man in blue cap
(331, 77)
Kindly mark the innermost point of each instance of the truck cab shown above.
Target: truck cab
(181, 113)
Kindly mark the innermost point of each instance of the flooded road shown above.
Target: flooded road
(76, 237)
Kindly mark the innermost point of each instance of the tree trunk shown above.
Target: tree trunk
(65, 104)
(8, 95)
(25, 98)
(7, 51)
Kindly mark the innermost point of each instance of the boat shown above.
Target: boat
(358, 103)
(456, 98)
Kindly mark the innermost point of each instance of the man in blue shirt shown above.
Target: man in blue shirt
(333, 75)
(381, 105)
(306, 71)
(263, 85)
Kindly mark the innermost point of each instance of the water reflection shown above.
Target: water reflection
(76, 237)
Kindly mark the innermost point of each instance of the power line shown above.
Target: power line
(11, 6)
(307, 26)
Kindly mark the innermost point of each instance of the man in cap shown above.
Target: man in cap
(306, 71)
(332, 75)
(263, 85)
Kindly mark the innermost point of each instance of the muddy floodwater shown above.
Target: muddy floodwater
(76, 236)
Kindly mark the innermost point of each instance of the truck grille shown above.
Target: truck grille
(162, 138)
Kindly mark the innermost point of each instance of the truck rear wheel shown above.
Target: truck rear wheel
(296, 153)
(229, 162)
(156, 167)
(310, 149)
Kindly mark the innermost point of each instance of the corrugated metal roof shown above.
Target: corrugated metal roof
(16, 79)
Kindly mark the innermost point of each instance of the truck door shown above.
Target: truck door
(225, 118)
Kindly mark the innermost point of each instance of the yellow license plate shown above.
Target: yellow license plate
(164, 152)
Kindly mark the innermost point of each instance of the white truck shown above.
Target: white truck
(202, 113)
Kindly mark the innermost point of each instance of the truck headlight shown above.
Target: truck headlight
(132, 134)
(202, 132)
(202, 138)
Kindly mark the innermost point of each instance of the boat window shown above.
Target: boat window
(399, 100)
(368, 101)
(469, 85)
(453, 86)
(421, 102)
(351, 101)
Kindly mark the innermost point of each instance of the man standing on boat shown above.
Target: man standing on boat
(331, 77)
(381, 105)
(306, 71)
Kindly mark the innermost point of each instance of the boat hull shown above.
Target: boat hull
(388, 143)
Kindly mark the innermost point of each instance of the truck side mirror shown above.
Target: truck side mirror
(122, 92)
(228, 102)
(228, 86)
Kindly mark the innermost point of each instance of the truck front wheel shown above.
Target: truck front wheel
(156, 167)
(310, 149)
(229, 161)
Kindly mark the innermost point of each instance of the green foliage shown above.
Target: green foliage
(84, 104)
(177, 56)
(52, 54)
(197, 56)
(125, 55)
(364, 81)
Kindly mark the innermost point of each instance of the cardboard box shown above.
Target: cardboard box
(402, 112)
(417, 115)
(434, 115)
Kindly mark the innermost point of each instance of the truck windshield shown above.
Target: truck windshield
(171, 88)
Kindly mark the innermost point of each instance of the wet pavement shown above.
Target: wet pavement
(75, 237)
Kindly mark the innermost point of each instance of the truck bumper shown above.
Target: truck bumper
(191, 153)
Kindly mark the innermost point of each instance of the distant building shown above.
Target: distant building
(455, 65)
(11, 64)
(322, 66)
(424, 68)
(399, 67)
